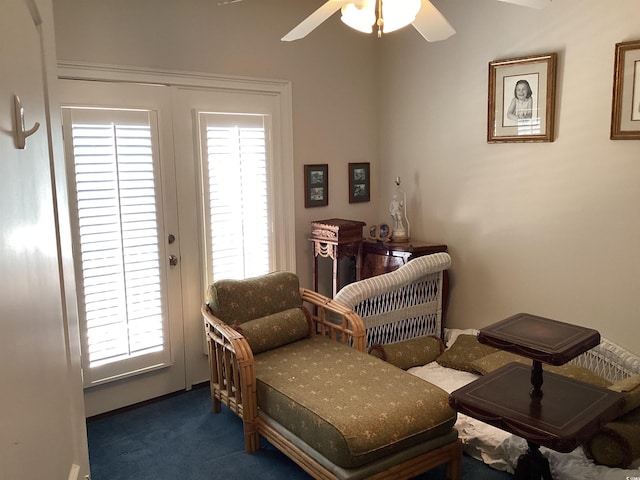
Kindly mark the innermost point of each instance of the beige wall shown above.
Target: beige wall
(551, 229)
(332, 74)
(543, 228)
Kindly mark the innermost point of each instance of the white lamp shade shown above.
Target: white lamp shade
(361, 18)
(399, 13)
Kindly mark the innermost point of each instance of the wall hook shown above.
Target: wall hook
(21, 133)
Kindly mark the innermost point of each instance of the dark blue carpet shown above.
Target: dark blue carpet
(179, 438)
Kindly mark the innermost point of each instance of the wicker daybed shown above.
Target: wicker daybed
(613, 453)
(304, 382)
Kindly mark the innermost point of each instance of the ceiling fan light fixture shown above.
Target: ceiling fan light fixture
(399, 13)
(360, 17)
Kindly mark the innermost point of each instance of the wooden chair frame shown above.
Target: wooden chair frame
(233, 382)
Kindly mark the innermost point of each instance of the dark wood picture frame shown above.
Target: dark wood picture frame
(527, 119)
(359, 182)
(316, 185)
(625, 109)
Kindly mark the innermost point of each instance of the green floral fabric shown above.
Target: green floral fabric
(275, 330)
(464, 351)
(617, 444)
(238, 301)
(630, 390)
(409, 353)
(350, 407)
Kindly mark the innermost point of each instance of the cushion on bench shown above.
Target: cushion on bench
(275, 330)
(409, 353)
(238, 301)
(350, 407)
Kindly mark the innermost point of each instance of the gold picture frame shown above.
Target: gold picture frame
(522, 98)
(625, 110)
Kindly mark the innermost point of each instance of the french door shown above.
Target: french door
(120, 163)
(172, 187)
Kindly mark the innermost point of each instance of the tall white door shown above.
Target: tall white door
(122, 177)
(41, 416)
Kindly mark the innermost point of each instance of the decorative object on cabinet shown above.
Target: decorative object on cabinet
(522, 99)
(625, 111)
(398, 211)
(316, 185)
(359, 182)
(336, 238)
(380, 233)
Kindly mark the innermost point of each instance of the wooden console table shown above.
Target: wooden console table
(385, 257)
(544, 408)
(335, 238)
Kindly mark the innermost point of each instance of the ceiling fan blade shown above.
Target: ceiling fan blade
(431, 24)
(315, 19)
(529, 3)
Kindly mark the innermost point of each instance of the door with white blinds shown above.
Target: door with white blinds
(235, 194)
(122, 192)
(173, 186)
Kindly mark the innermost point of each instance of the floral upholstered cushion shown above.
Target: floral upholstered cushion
(409, 353)
(617, 444)
(463, 352)
(238, 301)
(630, 390)
(275, 330)
(489, 363)
(349, 406)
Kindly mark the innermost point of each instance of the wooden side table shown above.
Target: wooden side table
(336, 238)
(384, 257)
(544, 408)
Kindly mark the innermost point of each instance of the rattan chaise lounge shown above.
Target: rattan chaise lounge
(304, 382)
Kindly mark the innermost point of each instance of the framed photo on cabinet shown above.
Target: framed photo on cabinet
(522, 97)
(625, 111)
(316, 185)
(359, 182)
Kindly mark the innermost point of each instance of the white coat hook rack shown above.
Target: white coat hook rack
(21, 133)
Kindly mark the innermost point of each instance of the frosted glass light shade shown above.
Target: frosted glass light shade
(361, 18)
(399, 13)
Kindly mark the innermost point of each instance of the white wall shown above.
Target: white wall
(544, 228)
(550, 229)
(332, 73)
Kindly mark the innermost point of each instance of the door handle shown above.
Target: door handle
(173, 260)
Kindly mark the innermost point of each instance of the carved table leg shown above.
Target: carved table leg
(532, 465)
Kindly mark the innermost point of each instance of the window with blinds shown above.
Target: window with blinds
(234, 166)
(118, 231)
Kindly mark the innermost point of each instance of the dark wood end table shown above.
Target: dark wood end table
(542, 407)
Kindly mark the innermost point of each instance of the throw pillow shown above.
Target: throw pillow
(617, 444)
(409, 353)
(273, 331)
(630, 390)
(463, 352)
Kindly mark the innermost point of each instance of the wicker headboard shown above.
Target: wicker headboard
(402, 304)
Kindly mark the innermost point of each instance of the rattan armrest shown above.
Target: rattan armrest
(350, 330)
(233, 374)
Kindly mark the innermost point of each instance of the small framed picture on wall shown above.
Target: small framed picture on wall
(359, 182)
(316, 185)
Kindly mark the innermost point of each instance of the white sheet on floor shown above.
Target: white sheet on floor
(500, 449)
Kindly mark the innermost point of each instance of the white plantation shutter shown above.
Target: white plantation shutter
(120, 272)
(235, 157)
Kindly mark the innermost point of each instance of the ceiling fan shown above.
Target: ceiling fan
(387, 15)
